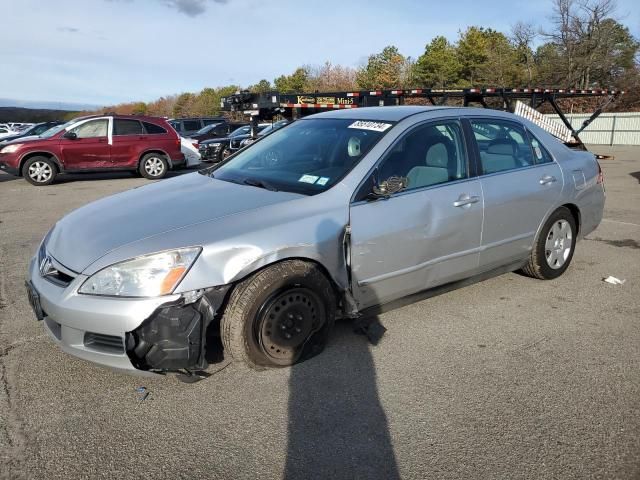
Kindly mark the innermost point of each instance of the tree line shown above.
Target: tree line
(585, 47)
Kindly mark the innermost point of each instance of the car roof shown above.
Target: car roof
(390, 114)
(400, 112)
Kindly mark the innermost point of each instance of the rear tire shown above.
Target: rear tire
(554, 247)
(279, 316)
(39, 171)
(153, 166)
(223, 154)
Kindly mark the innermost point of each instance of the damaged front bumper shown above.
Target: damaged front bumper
(134, 335)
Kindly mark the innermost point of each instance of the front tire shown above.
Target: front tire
(153, 166)
(554, 248)
(279, 316)
(39, 171)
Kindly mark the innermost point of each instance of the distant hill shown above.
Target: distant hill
(32, 115)
(47, 105)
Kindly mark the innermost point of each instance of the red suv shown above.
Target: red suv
(148, 145)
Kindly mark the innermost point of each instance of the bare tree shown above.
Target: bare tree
(581, 32)
(523, 35)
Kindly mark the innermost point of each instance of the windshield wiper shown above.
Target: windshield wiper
(254, 182)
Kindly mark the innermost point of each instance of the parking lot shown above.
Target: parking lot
(508, 378)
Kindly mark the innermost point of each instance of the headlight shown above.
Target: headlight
(214, 145)
(11, 148)
(148, 276)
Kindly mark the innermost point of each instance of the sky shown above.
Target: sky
(102, 52)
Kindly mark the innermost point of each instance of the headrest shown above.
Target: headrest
(437, 155)
(502, 147)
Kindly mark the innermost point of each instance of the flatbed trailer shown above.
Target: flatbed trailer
(265, 106)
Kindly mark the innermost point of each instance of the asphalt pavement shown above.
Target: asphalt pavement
(508, 378)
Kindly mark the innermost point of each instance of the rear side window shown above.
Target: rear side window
(126, 127)
(540, 153)
(503, 145)
(189, 125)
(152, 128)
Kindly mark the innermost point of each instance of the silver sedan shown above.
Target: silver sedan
(323, 219)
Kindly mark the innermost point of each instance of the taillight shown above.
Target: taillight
(600, 174)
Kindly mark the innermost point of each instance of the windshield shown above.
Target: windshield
(308, 157)
(207, 129)
(240, 131)
(58, 128)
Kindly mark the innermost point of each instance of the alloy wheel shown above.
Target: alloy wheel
(558, 244)
(154, 166)
(40, 172)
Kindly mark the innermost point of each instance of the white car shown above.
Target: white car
(190, 150)
(6, 131)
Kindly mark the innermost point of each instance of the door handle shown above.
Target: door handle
(547, 179)
(465, 199)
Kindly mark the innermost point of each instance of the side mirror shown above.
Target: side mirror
(388, 187)
(70, 135)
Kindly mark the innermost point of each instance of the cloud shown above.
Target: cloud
(68, 29)
(192, 8)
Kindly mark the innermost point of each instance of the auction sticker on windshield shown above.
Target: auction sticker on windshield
(375, 126)
(308, 178)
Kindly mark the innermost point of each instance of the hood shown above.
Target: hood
(19, 139)
(92, 231)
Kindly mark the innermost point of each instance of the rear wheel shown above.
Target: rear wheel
(279, 316)
(153, 166)
(554, 246)
(224, 153)
(39, 171)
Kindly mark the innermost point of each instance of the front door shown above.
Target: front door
(521, 183)
(428, 233)
(90, 149)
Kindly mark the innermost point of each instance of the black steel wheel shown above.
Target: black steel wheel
(286, 322)
(279, 316)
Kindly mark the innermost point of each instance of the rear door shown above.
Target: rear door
(425, 235)
(128, 139)
(91, 148)
(520, 185)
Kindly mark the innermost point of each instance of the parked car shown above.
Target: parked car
(147, 145)
(189, 126)
(6, 131)
(190, 151)
(32, 131)
(265, 131)
(217, 149)
(337, 213)
(217, 130)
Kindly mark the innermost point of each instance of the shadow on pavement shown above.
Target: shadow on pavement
(337, 427)
(75, 177)
(636, 175)
(5, 177)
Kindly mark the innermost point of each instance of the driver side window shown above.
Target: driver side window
(92, 129)
(428, 155)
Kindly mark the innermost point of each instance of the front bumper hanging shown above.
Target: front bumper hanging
(174, 337)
